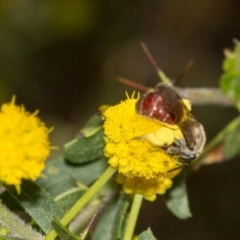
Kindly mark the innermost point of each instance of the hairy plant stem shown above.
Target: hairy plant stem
(68, 217)
(136, 205)
(16, 226)
(206, 96)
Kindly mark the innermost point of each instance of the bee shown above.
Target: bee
(165, 105)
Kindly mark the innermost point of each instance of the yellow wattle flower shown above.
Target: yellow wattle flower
(24, 145)
(135, 145)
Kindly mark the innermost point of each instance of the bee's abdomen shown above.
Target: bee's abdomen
(152, 105)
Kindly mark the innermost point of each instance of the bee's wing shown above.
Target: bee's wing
(172, 102)
(194, 134)
(188, 127)
(178, 110)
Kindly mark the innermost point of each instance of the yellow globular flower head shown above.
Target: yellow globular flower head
(24, 145)
(134, 146)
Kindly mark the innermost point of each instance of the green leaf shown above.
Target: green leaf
(85, 149)
(232, 143)
(10, 202)
(112, 221)
(146, 235)
(226, 80)
(37, 203)
(229, 62)
(67, 199)
(60, 176)
(63, 232)
(93, 125)
(177, 199)
(230, 80)
(230, 84)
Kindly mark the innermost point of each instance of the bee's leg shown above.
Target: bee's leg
(175, 148)
(180, 148)
(179, 167)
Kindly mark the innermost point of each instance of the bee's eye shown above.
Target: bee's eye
(152, 105)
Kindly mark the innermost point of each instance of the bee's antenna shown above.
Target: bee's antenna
(180, 76)
(150, 57)
(133, 84)
(160, 73)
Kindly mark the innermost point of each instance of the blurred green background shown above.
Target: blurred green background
(64, 57)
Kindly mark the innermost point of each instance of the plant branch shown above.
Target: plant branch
(68, 217)
(136, 205)
(16, 226)
(202, 96)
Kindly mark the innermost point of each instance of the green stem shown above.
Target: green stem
(136, 205)
(217, 140)
(68, 217)
(15, 225)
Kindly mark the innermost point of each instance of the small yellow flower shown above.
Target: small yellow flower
(24, 145)
(135, 145)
